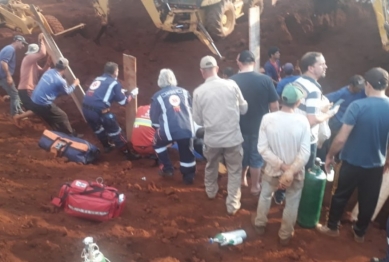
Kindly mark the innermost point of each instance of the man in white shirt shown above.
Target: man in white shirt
(284, 143)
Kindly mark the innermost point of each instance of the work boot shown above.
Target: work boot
(358, 239)
(108, 148)
(188, 179)
(165, 173)
(132, 156)
(260, 230)
(327, 231)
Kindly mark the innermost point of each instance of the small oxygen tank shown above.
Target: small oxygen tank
(312, 196)
(229, 238)
(91, 252)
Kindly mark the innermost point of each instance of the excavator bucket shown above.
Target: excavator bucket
(381, 11)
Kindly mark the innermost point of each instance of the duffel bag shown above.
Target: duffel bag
(90, 200)
(73, 148)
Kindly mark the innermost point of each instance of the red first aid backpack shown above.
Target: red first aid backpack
(90, 200)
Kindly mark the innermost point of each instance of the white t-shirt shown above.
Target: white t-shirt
(284, 137)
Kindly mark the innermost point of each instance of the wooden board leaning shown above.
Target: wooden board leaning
(254, 34)
(129, 71)
(55, 54)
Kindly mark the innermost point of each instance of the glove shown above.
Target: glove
(124, 91)
(134, 92)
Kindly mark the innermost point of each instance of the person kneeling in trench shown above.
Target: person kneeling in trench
(284, 144)
(104, 90)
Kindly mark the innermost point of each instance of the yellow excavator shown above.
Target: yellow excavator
(381, 9)
(17, 16)
(204, 18)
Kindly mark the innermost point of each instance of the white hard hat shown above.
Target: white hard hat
(32, 49)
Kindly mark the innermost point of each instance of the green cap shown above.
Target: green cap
(291, 94)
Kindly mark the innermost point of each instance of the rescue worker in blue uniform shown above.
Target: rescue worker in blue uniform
(171, 116)
(102, 92)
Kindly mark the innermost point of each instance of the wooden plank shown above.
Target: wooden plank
(55, 54)
(254, 35)
(129, 70)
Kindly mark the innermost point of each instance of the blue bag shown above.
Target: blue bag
(73, 148)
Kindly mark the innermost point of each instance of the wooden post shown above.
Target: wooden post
(55, 54)
(129, 70)
(254, 34)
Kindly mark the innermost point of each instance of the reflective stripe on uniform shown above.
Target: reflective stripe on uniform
(101, 129)
(160, 150)
(142, 122)
(164, 116)
(108, 94)
(188, 164)
(116, 133)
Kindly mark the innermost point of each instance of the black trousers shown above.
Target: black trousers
(368, 181)
(25, 97)
(55, 117)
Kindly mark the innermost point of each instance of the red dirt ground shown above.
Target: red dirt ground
(165, 220)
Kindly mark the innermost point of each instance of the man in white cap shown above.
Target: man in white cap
(7, 69)
(30, 72)
(217, 105)
(50, 86)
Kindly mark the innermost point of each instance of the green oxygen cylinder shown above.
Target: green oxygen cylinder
(312, 196)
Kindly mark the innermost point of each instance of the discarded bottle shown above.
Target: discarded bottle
(229, 238)
(91, 252)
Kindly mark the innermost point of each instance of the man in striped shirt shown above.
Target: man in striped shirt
(313, 66)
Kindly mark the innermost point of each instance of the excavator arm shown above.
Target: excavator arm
(381, 9)
(102, 9)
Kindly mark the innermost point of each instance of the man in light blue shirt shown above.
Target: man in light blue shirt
(50, 86)
(7, 69)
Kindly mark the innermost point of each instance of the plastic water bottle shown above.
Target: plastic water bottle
(229, 238)
(91, 252)
(331, 174)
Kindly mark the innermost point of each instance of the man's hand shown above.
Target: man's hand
(326, 107)
(40, 37)
(330, 161)
(334, 110)
(134, 92)
(284, 167)
(76, 82)
(286, 179)
(9, 80)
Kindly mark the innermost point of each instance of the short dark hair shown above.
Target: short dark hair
(60, 66)
(228, 71)
(110, 68)
(272, 50)
(309, 59)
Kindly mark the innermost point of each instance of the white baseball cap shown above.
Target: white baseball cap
(32, 49)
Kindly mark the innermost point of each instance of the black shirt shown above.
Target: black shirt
(258, 90)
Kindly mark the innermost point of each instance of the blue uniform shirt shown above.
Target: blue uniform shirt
(103, 91)
(367, 143)
(51, 85)
(7, 54)
(271, 71)
(171, 113)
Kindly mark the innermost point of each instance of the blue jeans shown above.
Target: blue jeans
(251, 157)
(15, 104)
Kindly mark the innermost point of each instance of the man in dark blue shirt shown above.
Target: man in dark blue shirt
(103, 91)
(363, 142)
(50, 86)
(272, 66)
(354, 91)
(7, 69)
